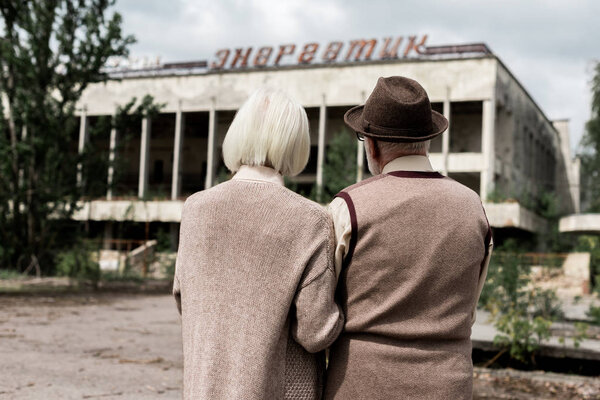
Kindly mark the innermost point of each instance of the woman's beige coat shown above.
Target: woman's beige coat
(254, 283)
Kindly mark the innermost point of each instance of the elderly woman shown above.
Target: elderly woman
(254, 278)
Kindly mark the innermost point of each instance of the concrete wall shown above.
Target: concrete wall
(467, 79)
(500, 215)
(528, 147)
(498, 137)
(581, 223)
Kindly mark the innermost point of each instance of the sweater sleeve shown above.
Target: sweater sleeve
(338, 209)
(318, 320)
(482, 277)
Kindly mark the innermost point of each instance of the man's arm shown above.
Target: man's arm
(338, 209)
(482, 276)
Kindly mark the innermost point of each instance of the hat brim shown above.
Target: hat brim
(353, 118)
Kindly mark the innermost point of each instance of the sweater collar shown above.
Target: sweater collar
(408, 163)
(258, 173)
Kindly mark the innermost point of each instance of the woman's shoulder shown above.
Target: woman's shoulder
(311, 217)
(203, 198)
(303, 203)
(304, 210)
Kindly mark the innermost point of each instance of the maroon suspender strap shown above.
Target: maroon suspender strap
(354, 225)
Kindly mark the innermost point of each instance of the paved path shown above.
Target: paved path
(78, 347)
(115, 346)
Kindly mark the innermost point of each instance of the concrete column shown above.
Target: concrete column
(321, 148)
(210, 151)
(107, 236)
(446, 134)
(144, 157)
(176, 179)
(572, 165)
(360, 161)
(83, 138)
(111, 162)
(488, 148)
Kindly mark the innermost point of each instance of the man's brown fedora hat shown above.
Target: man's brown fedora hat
(398, 110)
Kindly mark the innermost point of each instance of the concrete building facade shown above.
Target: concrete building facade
(499, 142)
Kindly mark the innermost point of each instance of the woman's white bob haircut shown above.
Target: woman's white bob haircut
(270, 129)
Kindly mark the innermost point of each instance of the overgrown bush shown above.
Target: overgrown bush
(522, 315)
(126, 276)
(77, 263)
(163, 240)
(168, 268)
(506, 279)
(339, 170)
(594, 314)
(591, 244)
(9, 274)
(520, 335)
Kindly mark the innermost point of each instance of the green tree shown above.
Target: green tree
(339, 170)
(50, 51)
(590, 151)
(590, 175)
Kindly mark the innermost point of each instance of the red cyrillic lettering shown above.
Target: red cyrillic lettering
(386, 52)
(308, 53)
(239, 56)
(285, 50)
(360, 45)
(332, 51)
(416, 47)
(222, 55)
(262, 57)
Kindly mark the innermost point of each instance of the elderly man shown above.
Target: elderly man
(412, 253)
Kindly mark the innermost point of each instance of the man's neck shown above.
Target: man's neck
(408, 162)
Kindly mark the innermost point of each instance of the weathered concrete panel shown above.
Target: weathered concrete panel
(125, 210)
(513, 215)
(500, 215)
(468, 79)
(580, 223)
(458, 162)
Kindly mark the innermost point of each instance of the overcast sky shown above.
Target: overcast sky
(550, 46)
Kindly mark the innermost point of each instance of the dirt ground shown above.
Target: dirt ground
(90, 346)
(116, 346)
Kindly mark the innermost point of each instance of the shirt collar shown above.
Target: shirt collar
(258, 173)
(408, 163)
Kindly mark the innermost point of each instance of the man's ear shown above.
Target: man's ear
(372, 148)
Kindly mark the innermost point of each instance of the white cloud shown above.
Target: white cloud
(547, 44)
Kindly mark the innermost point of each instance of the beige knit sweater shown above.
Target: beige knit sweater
(408, 288)
(254, 283)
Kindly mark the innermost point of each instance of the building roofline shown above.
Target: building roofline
(156, 72)
(503, 65)
(441, 53)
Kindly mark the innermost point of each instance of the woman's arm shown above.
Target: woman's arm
(318, 320)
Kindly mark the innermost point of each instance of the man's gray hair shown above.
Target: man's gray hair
(401, 148)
